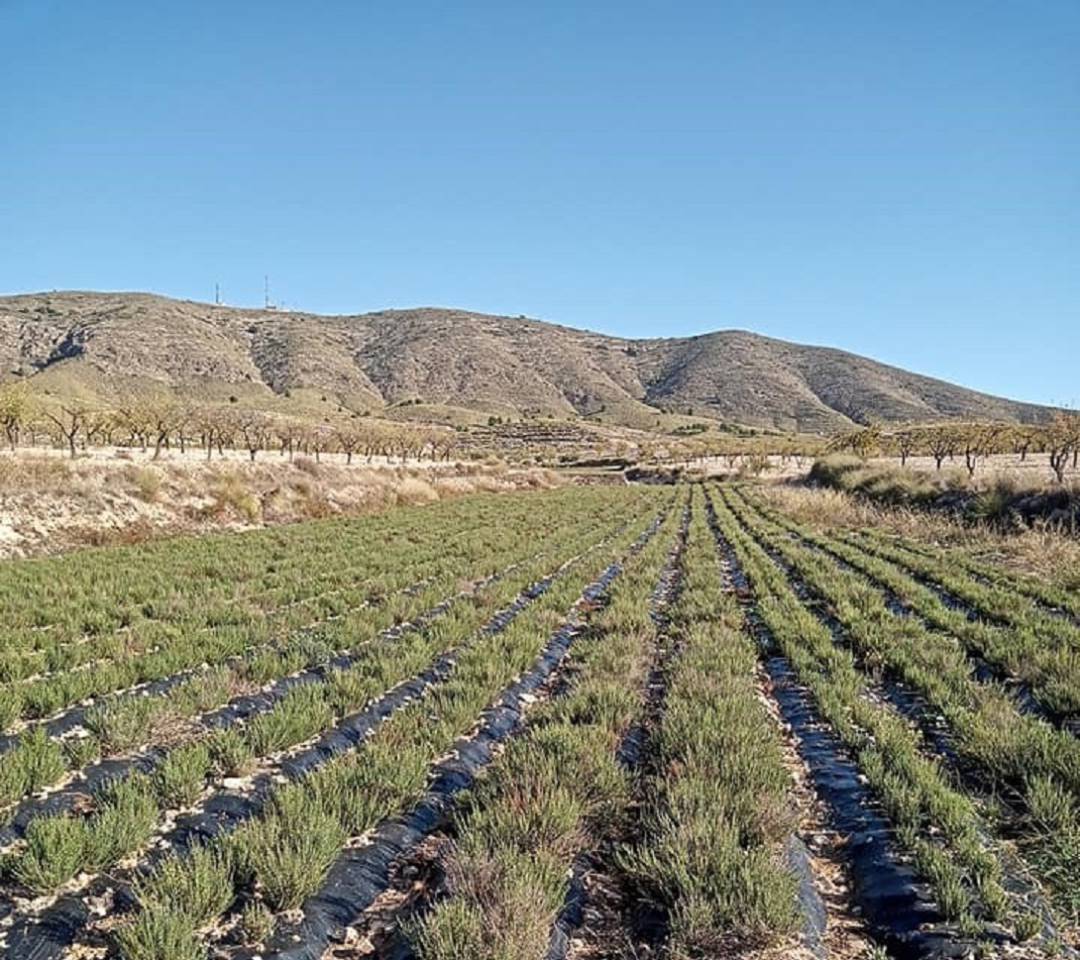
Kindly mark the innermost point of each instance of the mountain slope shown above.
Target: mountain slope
(100, 343)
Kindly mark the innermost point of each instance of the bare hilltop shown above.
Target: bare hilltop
(97, 344)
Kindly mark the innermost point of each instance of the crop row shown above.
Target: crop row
(190, 648)
(554, 790)
(1049, 668)
(1021, 757)
(155, 648)
(718, 808)
(998, 602)
(935, 822)
(194, 580)
(328, 663)
(274, 855)
(1051, 596)
(140, 597)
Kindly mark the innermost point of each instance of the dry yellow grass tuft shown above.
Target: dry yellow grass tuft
(1039, 551)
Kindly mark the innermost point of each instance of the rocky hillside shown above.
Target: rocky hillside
(98, 343)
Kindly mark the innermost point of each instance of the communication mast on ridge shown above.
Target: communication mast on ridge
(217, 294)
(267, 305)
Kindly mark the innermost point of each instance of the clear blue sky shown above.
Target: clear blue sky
(898, 179)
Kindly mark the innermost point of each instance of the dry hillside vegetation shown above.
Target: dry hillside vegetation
(97, 344)
(50, 504)
(1034, 552)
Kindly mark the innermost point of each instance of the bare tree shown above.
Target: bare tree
(348, 439)
(906, 443)
(319, 438)
(941, 441)
(254, 428)
(208, 422)
(979, 441)
(69, 418)
(288, 432)
(1063, 443)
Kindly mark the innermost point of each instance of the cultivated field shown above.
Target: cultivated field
(691, 721)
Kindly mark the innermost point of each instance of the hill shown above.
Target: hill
(98, 344)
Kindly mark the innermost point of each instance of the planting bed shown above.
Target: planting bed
(573, 724)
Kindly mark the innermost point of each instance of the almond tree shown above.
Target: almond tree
(207, 421)
(907, 441)
(1023, 438)
(183, 417)
(132, 416)
(445, 443)
(150, 418)
(288, 432)
(15, 410)
(318, 438)
(979, 440)
(101, 425)
(862, 442)
(1063, 442)
(69, 419)
(941, 441)
(254, 428)
(348, 439)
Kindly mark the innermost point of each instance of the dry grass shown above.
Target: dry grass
(1039, 551)
(49, 504)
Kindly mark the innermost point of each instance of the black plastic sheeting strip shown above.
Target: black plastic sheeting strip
(984, 671)
(815, 915)
(74, 717)
(49, 935)
(946, 596)
(893, 902)
(796, 856)
(911, 704)
(99, 776)
(572, 913)
(361, 875)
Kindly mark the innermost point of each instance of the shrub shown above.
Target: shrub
(290, 851)
(161, 934)
(301, 714)
(123, 822)
(55, 848)
(232, 495)
(179, 779)
(124, 723)
(198, 886)
(147, 483)
(230, 753)
(256, 924)
(412, 490)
